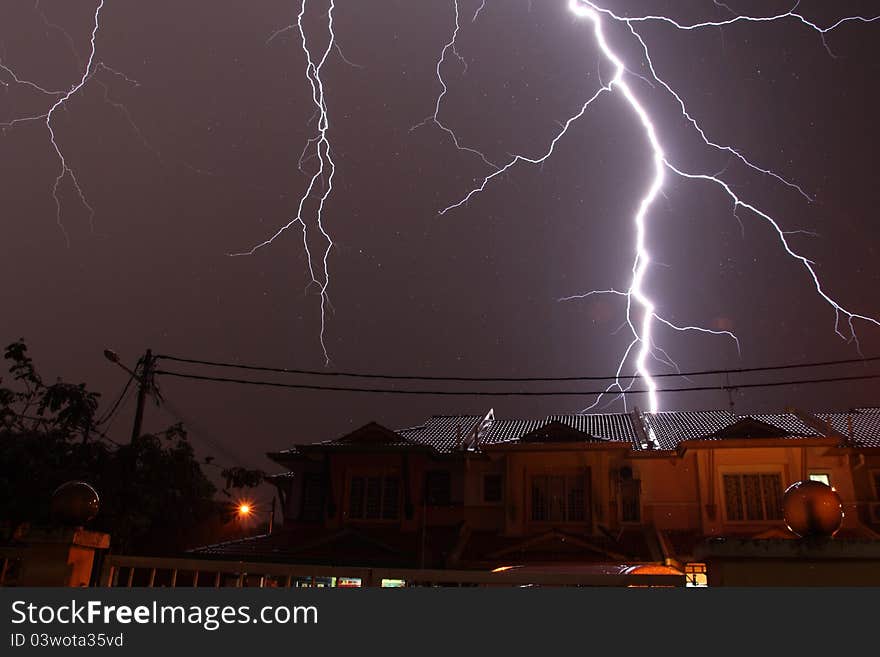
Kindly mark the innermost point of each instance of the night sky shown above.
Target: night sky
(222, 117)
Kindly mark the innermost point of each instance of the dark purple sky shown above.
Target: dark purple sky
(223, 117)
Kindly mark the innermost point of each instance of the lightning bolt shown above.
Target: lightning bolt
(450, 46)
(317, 147)
(58, 101)
(61, 99)
(641, 327)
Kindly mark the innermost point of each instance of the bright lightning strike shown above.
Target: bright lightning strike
(318, 147)
(641, 328)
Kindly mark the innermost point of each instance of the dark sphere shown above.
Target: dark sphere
(812, 509)
(74, 503)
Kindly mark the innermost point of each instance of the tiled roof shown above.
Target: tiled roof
(611, 426)
(865, 426)
(666, 429)
(787, 422)
(441, 431)
(503, 431)
(671, 428)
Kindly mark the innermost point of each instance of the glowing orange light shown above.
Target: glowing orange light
(244, 509)
(502, 569)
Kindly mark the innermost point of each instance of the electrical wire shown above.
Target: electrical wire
(495, 379)
(200, 434)
(508, 393)
(119, 399)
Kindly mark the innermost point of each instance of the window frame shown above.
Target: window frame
(696, 575)
(636, 482)
(312, 511)
(434, 473)
(742, 471)
(820, 473)
(875, 482)
(383, 475)
(500, 477)
(566, 475)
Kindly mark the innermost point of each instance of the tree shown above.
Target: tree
(154, 494)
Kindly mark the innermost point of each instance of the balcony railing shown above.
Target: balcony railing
(126, 571)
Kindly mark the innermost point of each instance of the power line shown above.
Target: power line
(119, 399)
(533, 379)
(509, 393)
(202, 435)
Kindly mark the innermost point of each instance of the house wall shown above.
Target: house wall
(680, 490)
(670, 489)
(522, 465)
(864, 467)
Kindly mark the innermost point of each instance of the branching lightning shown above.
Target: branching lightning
(61, 99)
(434, 119)
(65, 169)
(641, 312)
(317, 147)
(58, 101)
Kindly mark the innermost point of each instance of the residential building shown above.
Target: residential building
(592, 491)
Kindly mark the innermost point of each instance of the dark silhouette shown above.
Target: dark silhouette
(155, 498)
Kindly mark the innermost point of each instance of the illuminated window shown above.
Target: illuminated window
(750, 497)
(347, 582)
(492, 488)
(558, 498)
(393, 583)
(374, 497)
(695, 575)
(820, 476)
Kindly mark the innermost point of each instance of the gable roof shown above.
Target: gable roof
(443, 434)
(748, 427)
(371, 433)
(555, 431)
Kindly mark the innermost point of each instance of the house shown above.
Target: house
(565, 492)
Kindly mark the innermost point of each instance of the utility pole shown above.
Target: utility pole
(730, 391)
(144, 382)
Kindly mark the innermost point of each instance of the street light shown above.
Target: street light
(246, 509)
(113, 357)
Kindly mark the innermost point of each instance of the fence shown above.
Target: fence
(129, 571)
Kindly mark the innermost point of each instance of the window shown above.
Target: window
(493, 490)
(438, 488)
(374, 497)
(314, 490)
(695, 575)
(558, 498)
(751, 497)
(820, 476)
(630, 500)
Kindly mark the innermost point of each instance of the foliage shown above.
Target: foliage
(154, 494)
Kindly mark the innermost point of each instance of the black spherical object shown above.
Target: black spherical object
(812, 509)
(74, 503)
